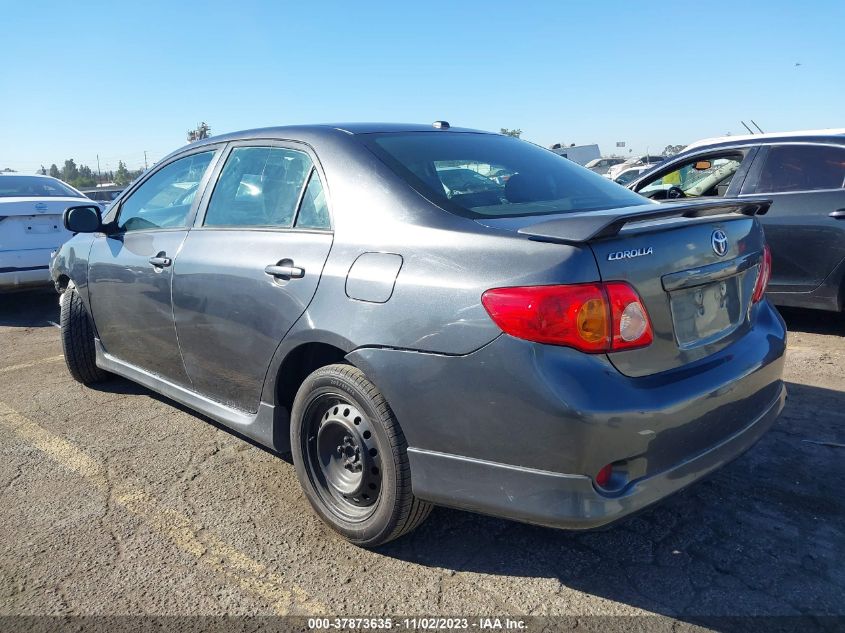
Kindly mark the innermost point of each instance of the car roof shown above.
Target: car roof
(830, 134)
(322, 131)
(287, 131)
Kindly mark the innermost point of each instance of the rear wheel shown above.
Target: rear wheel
(78, 340)
(351, 460)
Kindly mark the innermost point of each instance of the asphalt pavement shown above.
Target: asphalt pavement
(116, 501)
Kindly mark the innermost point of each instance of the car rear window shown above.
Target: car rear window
(105, 195)
(34, 187)
(487, 175)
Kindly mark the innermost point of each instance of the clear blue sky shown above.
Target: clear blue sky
(118, 78)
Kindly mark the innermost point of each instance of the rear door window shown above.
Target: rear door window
(259, 187)
(802, 168)
(313, 210)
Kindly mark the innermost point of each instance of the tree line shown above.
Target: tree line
(82, 176)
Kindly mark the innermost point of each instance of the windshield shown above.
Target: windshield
(34, 187)
(463, 173)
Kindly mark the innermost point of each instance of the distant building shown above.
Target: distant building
(581, 154)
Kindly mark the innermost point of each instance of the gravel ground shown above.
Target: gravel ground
(116, 501)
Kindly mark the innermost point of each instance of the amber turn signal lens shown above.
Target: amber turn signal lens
(592, 321)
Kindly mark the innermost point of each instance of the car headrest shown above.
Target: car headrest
(529, 188)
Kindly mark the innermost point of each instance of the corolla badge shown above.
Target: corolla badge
(719, 241)
(40, 206)
(631, 254)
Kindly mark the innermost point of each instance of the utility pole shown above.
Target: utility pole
(145, 160)
(99, 173)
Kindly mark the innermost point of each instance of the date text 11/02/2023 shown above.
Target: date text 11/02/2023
(417, 623)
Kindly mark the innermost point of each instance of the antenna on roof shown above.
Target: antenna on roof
(757, 126)
(750, 131)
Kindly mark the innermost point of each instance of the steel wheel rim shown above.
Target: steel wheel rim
(342, 457)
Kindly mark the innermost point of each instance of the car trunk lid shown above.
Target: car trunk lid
(34, 222)
(693, 263)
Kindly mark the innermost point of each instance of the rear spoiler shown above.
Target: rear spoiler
(577, 228)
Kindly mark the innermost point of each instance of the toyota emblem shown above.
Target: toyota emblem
(719, 240)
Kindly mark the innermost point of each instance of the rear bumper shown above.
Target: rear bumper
(25, 268)
(519, 430)
(567, 501)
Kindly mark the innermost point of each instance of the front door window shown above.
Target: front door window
(694, 178)
(164, 200)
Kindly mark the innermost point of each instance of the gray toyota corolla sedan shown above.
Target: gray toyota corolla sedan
(542, 345)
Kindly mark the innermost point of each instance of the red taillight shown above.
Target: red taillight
(575, 315)
(764, 273)
(591, 317)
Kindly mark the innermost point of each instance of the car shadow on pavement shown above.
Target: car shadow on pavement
(123, 386)
(34, 308)
(765, 536)
(813, 321)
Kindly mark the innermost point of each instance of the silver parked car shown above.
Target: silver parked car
(31, 228)
(631, 174)
(556, 349)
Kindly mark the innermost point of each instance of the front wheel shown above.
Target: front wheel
(78, 340)
(351, 457)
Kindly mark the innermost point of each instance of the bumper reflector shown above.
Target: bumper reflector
(603, 476)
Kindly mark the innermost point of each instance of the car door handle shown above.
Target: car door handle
(285, 271)
(839, 214)
(161, 261)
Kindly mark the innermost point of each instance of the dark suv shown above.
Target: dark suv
(804, 175)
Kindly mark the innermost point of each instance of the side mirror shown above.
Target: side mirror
(84, 218)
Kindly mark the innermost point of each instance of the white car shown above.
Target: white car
(31, 229)
(628, 175)
(602, 165)
(635, 161)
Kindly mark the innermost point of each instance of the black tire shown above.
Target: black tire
(351, 457)
(78, 340)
